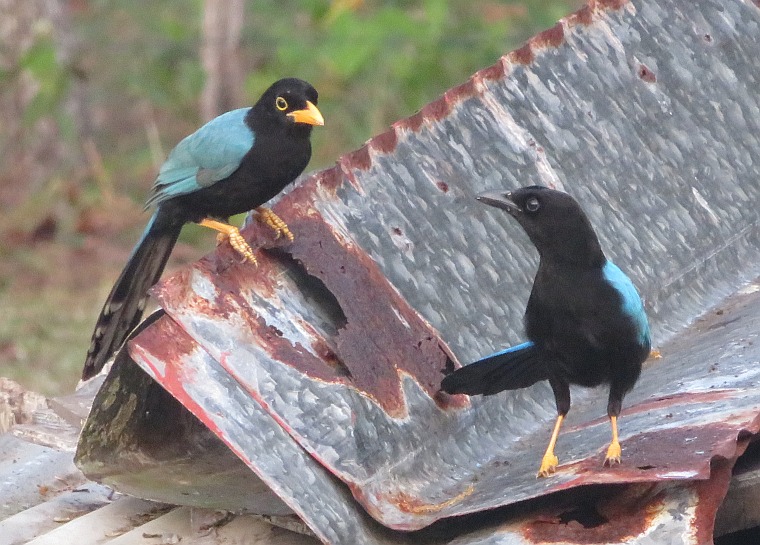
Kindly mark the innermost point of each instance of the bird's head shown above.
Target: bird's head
(289, 103)
(554, 221)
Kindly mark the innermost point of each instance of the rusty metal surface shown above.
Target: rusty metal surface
(143, 442)
(198, 381)
(661, 513)
(649, 114)
(409, 471)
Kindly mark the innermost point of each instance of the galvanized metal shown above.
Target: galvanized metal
(326, 357)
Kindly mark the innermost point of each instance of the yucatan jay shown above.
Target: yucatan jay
(585, 321)
(234, 163)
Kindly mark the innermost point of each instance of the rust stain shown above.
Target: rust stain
(385, 142)
(667, 454)
(330, 179)
(436, 110)
(411, 504)
(359, 158)
(523, 55)
(160, 342)
(442, 107)
(610, 5)
(494, 72)
(167, 342)
(383, 336)
(664, 402)
(646, 74)
(584, 16)
(711, 494)
(608, 518)
(413, 123)
(468, 89)
(553, 37)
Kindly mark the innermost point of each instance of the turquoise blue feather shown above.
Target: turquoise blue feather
(632, 305)
(210, 154)
(515, 348)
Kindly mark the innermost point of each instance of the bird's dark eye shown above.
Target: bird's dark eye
(532, 204)
(281, 104)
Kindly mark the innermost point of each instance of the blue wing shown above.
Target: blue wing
(515, 348)
(632, 305)
(210, 154)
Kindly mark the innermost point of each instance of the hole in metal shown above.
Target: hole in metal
(585, 515)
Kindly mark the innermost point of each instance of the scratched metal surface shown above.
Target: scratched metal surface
(427, 464)
(646, 513)
(646, 112)
(144, 442)
(193, 377)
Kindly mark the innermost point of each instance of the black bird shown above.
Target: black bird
(234, 163)
(584, 321)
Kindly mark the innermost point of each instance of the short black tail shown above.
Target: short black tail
(517, 367)
(125, 304)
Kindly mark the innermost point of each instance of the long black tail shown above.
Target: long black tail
(125, 304)
(517, 367)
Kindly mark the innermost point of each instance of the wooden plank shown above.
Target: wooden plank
(112, 520)
(45, 517)
(181, 526)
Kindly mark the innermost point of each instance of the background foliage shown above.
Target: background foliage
(95, 92)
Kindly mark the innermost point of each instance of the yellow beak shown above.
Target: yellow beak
(309, 115)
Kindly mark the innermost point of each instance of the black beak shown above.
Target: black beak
(500, 199)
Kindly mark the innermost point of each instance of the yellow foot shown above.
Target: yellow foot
(548, 465)
(231, 233)
(241, 246)
(275, 222)
(613, 454)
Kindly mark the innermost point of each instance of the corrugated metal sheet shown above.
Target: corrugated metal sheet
(324, 361)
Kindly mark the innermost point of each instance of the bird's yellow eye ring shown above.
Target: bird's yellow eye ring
(281, 104)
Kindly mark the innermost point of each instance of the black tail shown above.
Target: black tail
(125, 304)
(511, 369)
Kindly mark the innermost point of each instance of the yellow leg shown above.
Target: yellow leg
(613, 452)
(231, 233)
(275, 222)
(550, 461)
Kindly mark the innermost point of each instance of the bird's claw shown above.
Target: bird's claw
(238, 244)
(548, 465)
(231, 233)
(614, 454)
(275, 222)
(241, 246)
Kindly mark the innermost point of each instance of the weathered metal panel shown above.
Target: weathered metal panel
(426, 464)
(649, 114)
(142, 441)
(201, 384)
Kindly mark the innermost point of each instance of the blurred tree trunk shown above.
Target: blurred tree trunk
(30, 151)
(220, 56)
(68, 46)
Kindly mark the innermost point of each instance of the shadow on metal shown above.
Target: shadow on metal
(319, 368)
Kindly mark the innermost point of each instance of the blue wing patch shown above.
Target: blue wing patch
(632, 305)
(210, 154)
(516, 348)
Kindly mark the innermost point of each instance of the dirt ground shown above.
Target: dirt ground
(57, 265)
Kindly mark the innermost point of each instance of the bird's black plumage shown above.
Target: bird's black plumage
(584, 319)
(234, 163)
